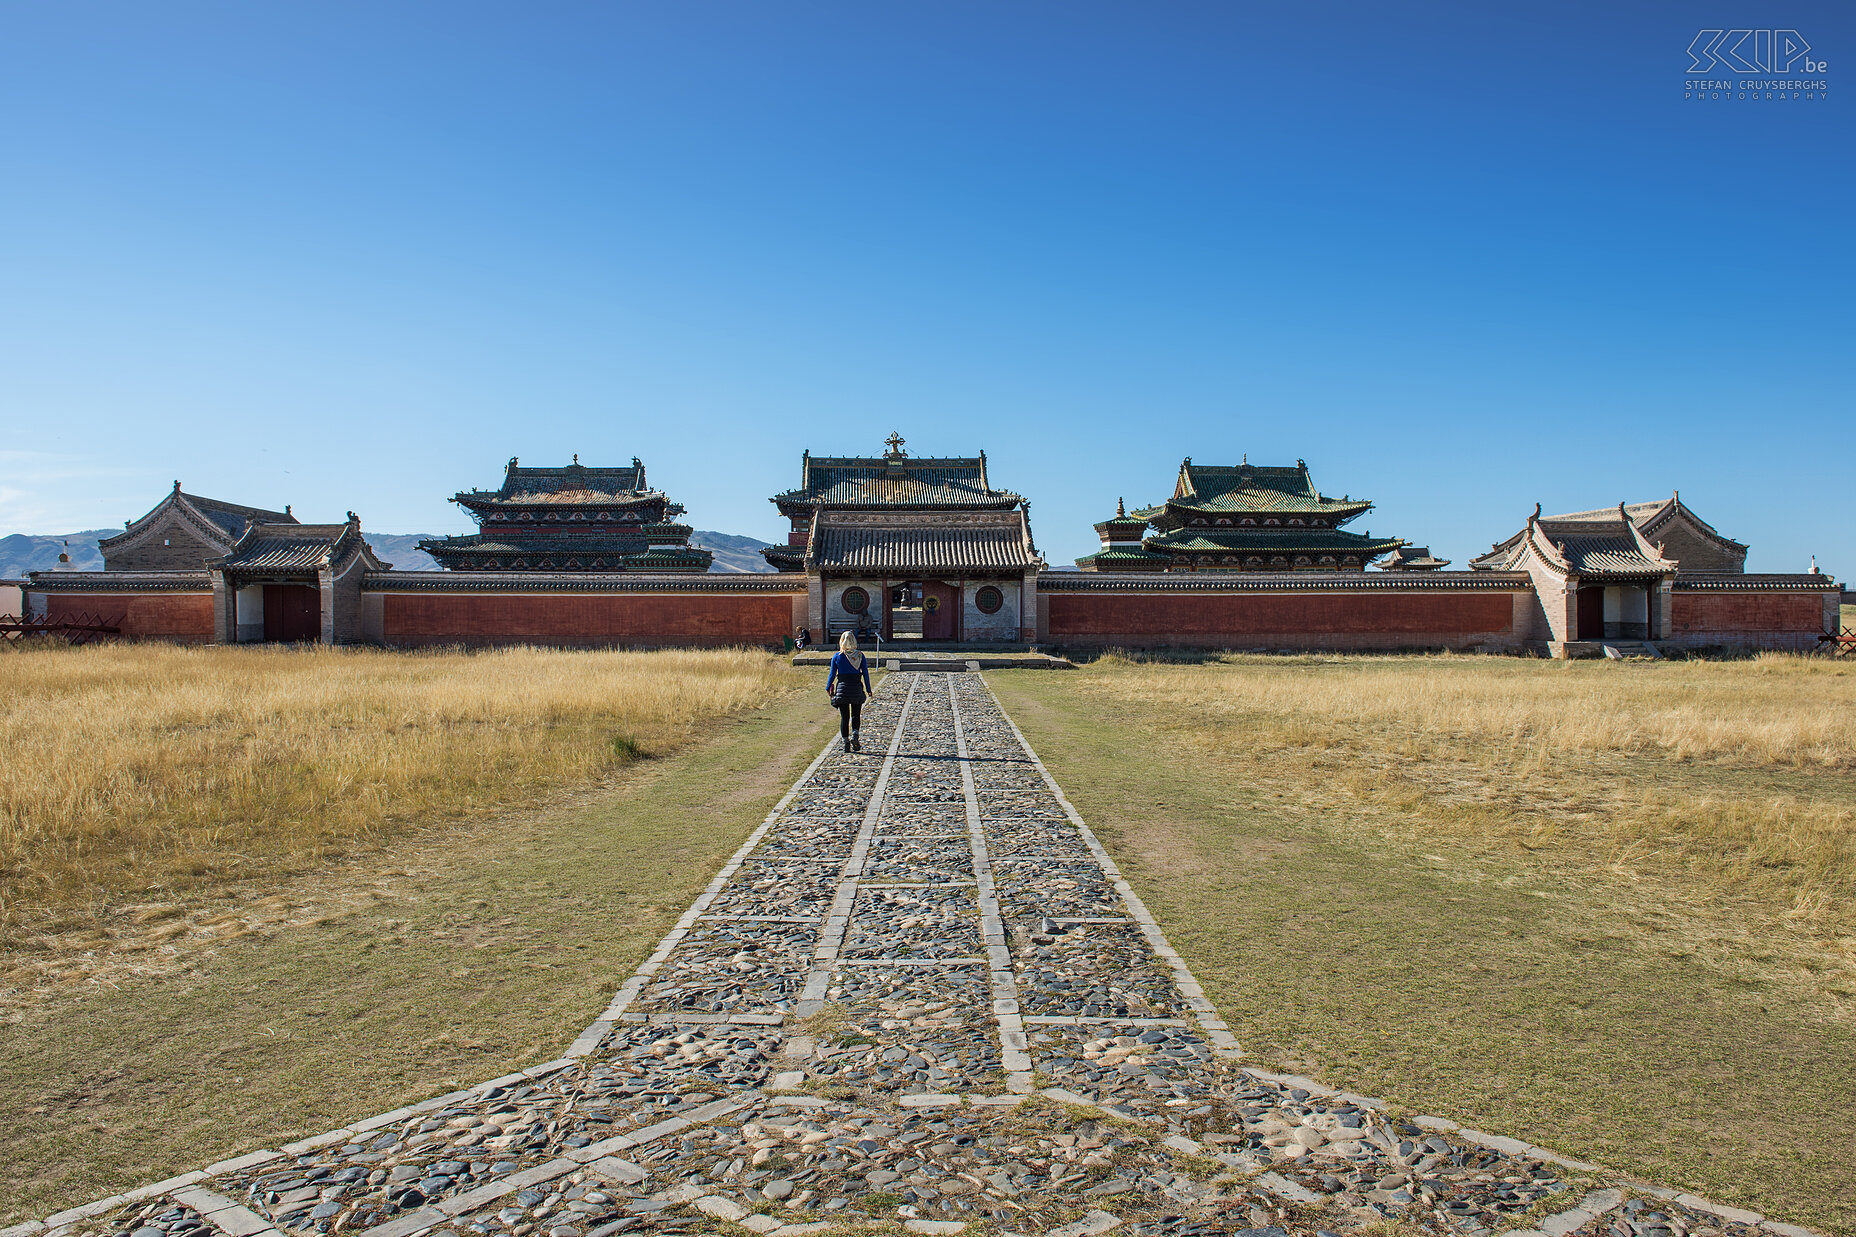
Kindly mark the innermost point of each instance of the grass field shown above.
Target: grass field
(144, 782)
(1605, 907)
(436, 959)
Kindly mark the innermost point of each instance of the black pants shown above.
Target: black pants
(850, 714)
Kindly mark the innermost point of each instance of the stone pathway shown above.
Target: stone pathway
(920, 997)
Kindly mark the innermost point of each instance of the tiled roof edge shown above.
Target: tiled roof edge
(1735, 582)
(577, 582)
(119, 582)
(1284, 582)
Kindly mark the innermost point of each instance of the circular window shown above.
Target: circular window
(855, 600)
(989, 600)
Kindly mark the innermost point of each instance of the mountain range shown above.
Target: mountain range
(21, 553)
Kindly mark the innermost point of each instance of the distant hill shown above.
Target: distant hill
(402, 550)
(732, 553)
(20, 553)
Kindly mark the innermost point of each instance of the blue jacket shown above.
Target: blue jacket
(841, 668)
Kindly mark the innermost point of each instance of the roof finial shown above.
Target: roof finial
(353, 518)
(636, 462)
(177, 486)
(286, 508)
(894, 443)
(1536, 514)
(576, 459)
(1121, 510)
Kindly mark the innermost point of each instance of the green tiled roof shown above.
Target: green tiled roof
(858, 481)
(1251, 488)
(1108, 560)
(1270, 541)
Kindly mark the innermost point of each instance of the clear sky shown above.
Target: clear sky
(1459, 257)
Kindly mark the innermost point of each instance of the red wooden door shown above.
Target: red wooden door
(292, 612)
(938, 609)
(1591, 614)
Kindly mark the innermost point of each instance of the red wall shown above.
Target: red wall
(146, 616)
(1744, 613)
(592, 619)
(1163, 616)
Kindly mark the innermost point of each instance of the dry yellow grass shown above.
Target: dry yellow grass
(134, 773)
(1639, 765)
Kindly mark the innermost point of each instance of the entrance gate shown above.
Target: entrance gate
(292, 612)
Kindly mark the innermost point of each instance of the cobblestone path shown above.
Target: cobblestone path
(920, 997)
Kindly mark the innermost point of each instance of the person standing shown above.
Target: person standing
(848, 686)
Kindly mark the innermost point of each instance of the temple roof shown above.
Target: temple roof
(1651, 517)
(967, 547)
(1246, 487)
(267, 547)
(575, 483)
(1410, 557)
(1583, 544)
(230, 519)
(895, 480)
(1270, 541)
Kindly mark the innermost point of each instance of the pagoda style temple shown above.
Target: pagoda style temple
(900, 548)
(571, 519)
(1241, 518)
(1121, 550)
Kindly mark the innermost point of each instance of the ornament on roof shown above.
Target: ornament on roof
(894, 443)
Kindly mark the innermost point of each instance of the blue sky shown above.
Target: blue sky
(1460, 258)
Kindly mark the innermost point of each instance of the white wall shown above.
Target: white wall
(250, 613)
(837, 617)
(981, 626)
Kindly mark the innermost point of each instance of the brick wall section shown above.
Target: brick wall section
(1739, 613)
(185, 617)
(411, 619)
(1315, 620)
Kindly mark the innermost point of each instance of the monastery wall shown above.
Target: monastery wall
(1376, 612)
(1752, 611)
(183, 617)
(590, 611)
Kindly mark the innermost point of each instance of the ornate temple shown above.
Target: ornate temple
(571, 519)
(1240, 518)
(903, 548)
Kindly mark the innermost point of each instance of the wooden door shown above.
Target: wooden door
(1591, 614)
(940, 605)
(292, 612)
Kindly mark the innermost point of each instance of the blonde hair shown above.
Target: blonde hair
(847, 643)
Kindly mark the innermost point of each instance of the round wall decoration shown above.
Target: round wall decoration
(931, 604)
(855, 600)
(989, 599)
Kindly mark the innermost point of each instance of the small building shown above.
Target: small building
(183, 532)
(1410, 557)
(1245, 517)
(1597, 579)
(292, 582)
(1121, 550)
(572, 519)
(910, 549)
(1677, 532)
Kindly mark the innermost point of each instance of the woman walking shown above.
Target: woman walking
(848, 686)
